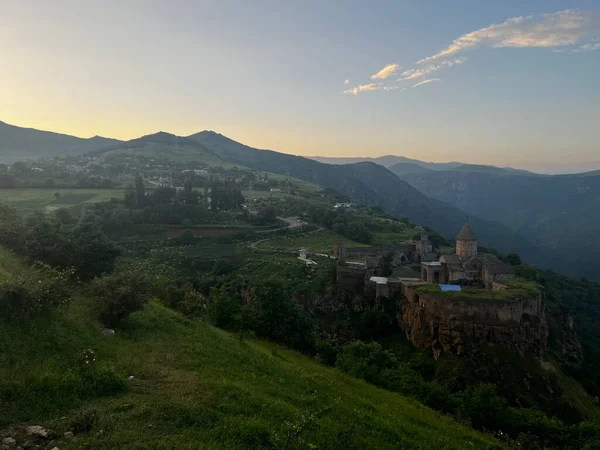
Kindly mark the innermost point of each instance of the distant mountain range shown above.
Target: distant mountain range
(553, 221)
(560, 213)
(387, 161)
(20, 144)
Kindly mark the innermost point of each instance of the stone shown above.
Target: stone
(9, 441)
(131, 377)
(36, 430)
(68, 434)
(4, 447)
(108, 332)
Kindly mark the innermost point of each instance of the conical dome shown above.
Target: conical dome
(466, 233)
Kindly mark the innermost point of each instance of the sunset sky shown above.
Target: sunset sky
(509, 82)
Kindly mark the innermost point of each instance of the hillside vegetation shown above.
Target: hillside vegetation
(194, 386)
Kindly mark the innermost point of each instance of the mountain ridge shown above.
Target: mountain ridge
(373, 184)
(20, 143)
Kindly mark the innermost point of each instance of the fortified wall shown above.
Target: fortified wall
(442, 321)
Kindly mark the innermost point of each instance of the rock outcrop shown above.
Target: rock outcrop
(444, 324)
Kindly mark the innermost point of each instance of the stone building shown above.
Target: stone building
(467, 266)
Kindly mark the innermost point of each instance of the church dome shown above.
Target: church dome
(466, 233)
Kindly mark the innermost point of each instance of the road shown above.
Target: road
(291, 223)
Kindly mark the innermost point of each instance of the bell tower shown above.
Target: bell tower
(466, 242)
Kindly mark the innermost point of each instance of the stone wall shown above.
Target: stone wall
(349, 277)
(342, 252)
(440, 322)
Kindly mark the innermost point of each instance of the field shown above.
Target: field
(28, 199)
(195, 386)
(322, 241)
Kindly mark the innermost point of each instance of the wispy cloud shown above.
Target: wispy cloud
(588, 47)
(417, 73)
(386, 72)
(573, 31)
(346, 82)
(559, 29)
(421, 83)
(364, 87)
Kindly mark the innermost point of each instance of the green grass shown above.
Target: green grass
(516, 288)
(318, 242)
(196, 386)
(29, 199)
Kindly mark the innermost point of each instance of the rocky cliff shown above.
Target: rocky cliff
(445, 323)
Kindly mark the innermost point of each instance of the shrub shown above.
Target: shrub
(22, 299)
(366, 361)
(224, 308)
(120, 294)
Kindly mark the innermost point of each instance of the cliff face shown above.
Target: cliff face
(442, 324)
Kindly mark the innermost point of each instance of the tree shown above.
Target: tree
(118, 295)
(63, 215)
(130, 198)
(277, 317)
(365, 360)
(513, 259)
(140, 192)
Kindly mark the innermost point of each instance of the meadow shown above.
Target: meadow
(165, 381)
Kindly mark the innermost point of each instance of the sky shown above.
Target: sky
(509, 83)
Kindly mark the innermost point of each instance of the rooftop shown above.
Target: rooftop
(466, 233)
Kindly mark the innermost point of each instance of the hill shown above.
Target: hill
(558, 213)
(374, 185)
(407, 167)
(493, 169)
(163, 145)
(193, 386)
(386, 161)
(18, 144)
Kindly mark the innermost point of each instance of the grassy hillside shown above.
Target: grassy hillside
(195, 386)
(164, 146)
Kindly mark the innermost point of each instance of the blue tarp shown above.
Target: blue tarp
(449, 288)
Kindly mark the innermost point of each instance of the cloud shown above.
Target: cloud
(431, 80)
(417, 73)
(364, 87)
(559, 29)
(347, 82)
(386, 72)
(588, 47)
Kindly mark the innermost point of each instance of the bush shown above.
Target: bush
(22, 299)
(120, 294)
(366, 361)
(224, 308)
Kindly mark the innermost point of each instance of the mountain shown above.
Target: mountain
(373, 184)
(19, 144)
(387, 161)
(560, 213)
(407, 167)
(163, 145)
(493, 169)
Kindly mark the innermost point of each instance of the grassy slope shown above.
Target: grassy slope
(198, 387)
